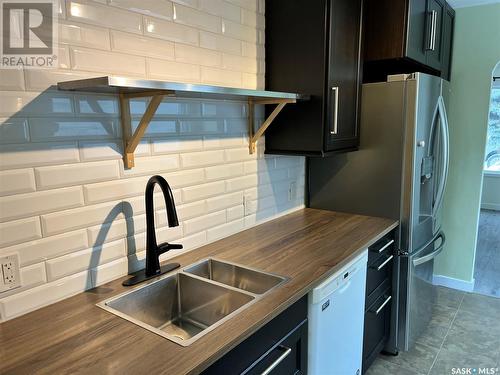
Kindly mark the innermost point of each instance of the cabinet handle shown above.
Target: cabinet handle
(336, 106)
(432, 36)
(376, 312)
(280, 359)
(384, 263)
(385, 246)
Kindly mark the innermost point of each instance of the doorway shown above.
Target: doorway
(487, 260)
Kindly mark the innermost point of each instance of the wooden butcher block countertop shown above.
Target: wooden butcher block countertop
(75, 336)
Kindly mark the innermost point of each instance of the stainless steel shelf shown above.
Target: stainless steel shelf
(129, 88)
(124, 85)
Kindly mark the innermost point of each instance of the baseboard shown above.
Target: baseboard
(450, 282)
(490, 206)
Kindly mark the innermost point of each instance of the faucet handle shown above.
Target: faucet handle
(164, 247)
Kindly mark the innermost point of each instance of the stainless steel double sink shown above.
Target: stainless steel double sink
(187, 304)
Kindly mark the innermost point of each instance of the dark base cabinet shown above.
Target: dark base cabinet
(281, 346)
(378, 298)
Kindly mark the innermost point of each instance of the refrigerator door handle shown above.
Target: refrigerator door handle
(443, 122)
(430, 256)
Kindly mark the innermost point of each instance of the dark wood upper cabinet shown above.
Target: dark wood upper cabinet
(403, 36)
(314, 47)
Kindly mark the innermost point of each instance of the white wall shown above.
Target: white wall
(67, 205)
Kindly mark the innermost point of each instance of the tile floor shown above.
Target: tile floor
(487, 267)
(464, 333)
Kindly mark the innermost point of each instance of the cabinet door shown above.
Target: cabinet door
(435, 15)
(343, 79)
(449, 19)
(416, 32)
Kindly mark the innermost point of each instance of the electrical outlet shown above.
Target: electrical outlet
(249, 205)
(10, 276)
(292, 191)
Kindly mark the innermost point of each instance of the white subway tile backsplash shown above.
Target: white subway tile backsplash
(235, 213)
(199, 159)
(171, 70)
(61, 170)
(203, 222)
(31, 204)
(27, 103)
(223, 171)
(178, 144)
(87, 216)
(111, 62)
(174, 32)
(93, 13)
(83, 35)
(238, 31)
(46, 129)
(35, 154)
(17, 181)
(11, 80)
(193, 17)
(221, 8)
(109, 271)
(143, 46)
(195, 55)
(239, 63)
(114, 190)
(155, 8)
(151, 165)
(81, 260)
(224, 201)
(31, 299)
(193, 193)
(98, 105)
(184, 178)
(75, 174)
(13, 130)
(50, 247)
(220, 43)
(225, 230)
(220, 77)
(17, 231)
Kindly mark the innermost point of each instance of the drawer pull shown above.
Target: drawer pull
(280, 359)
(386, 246)
(376, 312)
(383, 263)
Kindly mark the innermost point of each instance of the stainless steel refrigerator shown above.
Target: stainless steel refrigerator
(400, 172)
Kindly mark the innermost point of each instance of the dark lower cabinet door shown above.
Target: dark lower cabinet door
(344, 69)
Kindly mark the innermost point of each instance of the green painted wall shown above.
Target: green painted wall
(476, 51)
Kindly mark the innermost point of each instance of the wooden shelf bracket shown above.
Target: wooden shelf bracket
(253, 136)
(131, 140)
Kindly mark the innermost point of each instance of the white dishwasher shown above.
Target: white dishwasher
(336, 319)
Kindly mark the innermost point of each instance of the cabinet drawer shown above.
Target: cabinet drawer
(285, 358)
(263, 342)
(378, 271)
(382, 247)
(377, 327)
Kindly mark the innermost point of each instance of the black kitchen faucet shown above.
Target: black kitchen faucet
(153, 250)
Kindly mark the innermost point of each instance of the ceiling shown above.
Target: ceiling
(470, 3)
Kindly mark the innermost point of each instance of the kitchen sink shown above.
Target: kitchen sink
(184, 305)
(240, 277)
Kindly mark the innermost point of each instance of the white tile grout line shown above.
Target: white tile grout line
(448, 331)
